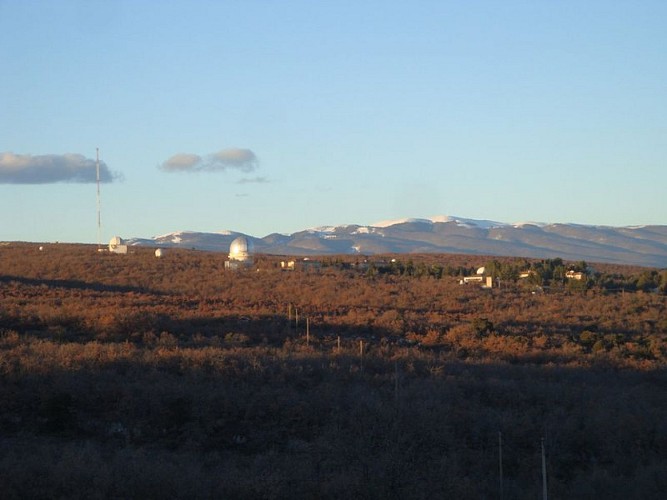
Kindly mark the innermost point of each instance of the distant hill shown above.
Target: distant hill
(639, 245)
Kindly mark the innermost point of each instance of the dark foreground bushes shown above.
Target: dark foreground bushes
(297, 423)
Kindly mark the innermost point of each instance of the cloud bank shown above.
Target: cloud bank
(243, 160)
(48, 169)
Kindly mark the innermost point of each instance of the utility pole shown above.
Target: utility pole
(544, 473)
(361, 355)
(500, 462)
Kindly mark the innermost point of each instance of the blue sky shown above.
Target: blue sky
(268, 116)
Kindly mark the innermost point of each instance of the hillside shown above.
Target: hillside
(136, 377)
(642, 245)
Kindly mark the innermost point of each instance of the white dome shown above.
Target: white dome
(115, 241)
(240, 249)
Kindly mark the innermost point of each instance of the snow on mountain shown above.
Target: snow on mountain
(443, 219)
(388, 223)
(529, 224)
(323, 229)
(179, 236)
(640, 245)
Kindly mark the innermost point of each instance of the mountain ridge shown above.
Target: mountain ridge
(639, 245)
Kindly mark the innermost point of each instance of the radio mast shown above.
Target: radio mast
(99, 218)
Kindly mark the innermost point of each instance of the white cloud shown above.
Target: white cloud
(181, 162)
(46, 169)
(242, 159)
(233, 158)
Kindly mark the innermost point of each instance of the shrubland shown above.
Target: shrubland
(131, 376)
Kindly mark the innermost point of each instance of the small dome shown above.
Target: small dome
(240, 249)
(159, 252)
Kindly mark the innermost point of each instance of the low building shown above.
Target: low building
(304, 264)
(117, 245)
(484, 281)
(288, 265)
(575, 275)
(471, 279)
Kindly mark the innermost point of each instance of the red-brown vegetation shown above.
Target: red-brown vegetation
(136, 377)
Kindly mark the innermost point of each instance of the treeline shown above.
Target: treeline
(545, 272)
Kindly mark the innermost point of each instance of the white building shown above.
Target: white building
(241, 254)
(484, 281)
(116, 245)
(574, 275)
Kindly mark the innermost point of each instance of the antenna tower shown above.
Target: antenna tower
(99, 218)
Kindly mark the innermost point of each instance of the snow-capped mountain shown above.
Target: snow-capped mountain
(641, 245)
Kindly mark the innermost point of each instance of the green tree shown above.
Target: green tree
(648, 280)
(663, 281)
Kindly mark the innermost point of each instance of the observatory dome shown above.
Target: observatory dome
(241, 249)
(116, 245)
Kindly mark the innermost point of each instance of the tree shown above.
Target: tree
(482, 326)
(663, 281)
(648, 280)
